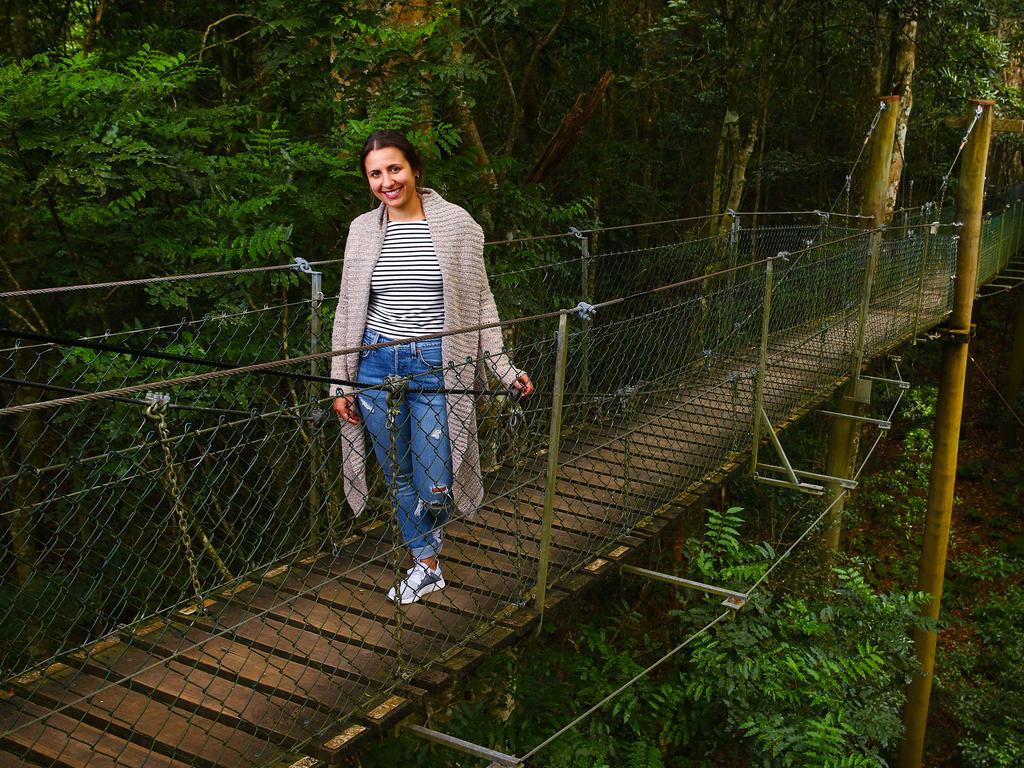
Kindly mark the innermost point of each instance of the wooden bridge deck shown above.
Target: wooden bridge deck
(300, 665)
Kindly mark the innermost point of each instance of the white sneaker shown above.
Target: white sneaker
(419, 581)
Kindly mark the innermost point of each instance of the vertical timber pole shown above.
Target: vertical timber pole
(762, 362)
(554, 436)
(844, 437)
(947, 430)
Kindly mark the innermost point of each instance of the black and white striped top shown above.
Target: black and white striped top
(406, 297)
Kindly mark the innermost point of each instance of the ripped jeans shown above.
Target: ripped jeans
(421, 485)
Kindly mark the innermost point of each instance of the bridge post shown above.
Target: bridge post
(947, 430)
(844, 437)
(762, 363)
(554, 436)
(586, 294)
(926, 237)
(316, 453)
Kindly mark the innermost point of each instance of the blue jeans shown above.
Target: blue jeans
(419, 475)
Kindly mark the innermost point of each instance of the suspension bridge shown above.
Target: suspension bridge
(184, 586)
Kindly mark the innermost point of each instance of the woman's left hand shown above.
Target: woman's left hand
(523, 385)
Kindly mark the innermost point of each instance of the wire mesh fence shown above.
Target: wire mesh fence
(185, 580)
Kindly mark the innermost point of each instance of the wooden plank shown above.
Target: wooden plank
(60, 741)
(477, 592)
(314, 618)
(431, 619)
(528, 530)
(193, 690)
(8, 760)
(191, 738)
(333, 657)
(373, 655)
(571, 513)
(301, 683)
(492, 572)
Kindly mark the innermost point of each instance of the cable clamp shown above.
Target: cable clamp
(157, 401)
(823, 214)
(784, 255)
(956, 335)
(301, 265)
(576, 232)
(584, 311)
(933, 228)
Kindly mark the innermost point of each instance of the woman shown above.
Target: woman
(414, 267)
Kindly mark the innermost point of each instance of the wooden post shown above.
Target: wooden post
(947, 429)
(843, 437)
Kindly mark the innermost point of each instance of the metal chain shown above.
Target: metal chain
(397, 388)
(156, 412)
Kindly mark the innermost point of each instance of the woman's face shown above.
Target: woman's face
(392, 180)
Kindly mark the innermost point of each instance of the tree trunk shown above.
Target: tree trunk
(906, 50)
(471, 139)
(90, 35)
(738, 178)
(719, 178)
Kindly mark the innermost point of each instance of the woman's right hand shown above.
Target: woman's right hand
(345, 407)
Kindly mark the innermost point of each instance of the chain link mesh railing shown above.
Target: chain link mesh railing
(183, 579)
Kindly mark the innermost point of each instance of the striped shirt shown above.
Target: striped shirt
(406, 297)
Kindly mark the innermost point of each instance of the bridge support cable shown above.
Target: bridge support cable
(942, 479)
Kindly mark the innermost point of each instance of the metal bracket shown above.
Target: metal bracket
(577, 233)
(461, 745)
(733, 599)
(793, 481)
(840, 481)
(957, 335)
(898, 382)
(882, 424)
(584, 311)
(301, 265)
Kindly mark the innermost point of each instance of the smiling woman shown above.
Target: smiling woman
(414, 267)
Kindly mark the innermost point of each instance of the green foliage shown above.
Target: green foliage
(898, 495)
(807, 680)
(981, 685)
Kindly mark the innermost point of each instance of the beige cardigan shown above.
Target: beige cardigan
(459, 243)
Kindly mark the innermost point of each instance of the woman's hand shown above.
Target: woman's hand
(345, 407)
(523, 385)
